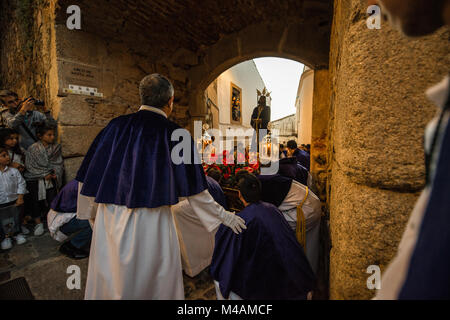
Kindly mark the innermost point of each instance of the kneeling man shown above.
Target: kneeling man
(288, 195)
(265, 261)
(62, 222)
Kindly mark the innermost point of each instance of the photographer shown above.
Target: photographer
(21, 115)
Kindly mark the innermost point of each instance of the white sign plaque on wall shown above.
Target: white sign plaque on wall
(79, 78)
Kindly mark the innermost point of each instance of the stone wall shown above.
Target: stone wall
(287, 128)
(82, 117)
(27, 43)
(320, 165)
(378, 113)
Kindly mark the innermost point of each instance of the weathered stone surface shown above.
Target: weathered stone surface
(185, 58)
(48, 278)
(75, 111)
(307, 42)
(78, 45)
(104, 113)
(378, 115)
(71, 166)
(319, 133)
(45, 270)
(75, 141)
(366, 227)
(379, 131)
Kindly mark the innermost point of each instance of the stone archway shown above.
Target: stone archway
(301, 42)
(373, 150)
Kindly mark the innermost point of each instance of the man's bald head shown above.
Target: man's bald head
(415, 17)
(155, 91)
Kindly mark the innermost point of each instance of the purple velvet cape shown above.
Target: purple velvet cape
(129, 164)
(216, 192)
(265, 261)
(302, 157)
(291, 168)
(275, 188)
(66, 200)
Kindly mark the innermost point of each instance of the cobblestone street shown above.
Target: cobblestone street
(45, 270)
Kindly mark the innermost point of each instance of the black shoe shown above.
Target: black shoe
(72, 252)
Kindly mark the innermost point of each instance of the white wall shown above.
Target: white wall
(246, 76)
(304, 107)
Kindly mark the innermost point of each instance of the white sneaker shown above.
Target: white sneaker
(20, 239)
(25, 230)
(39, 229)
(6, 244)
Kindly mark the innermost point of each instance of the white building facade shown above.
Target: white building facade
(303, 106)
(234, 89)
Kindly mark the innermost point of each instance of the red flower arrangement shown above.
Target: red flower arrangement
(229, 171)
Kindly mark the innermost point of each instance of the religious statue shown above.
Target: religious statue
(260, 117)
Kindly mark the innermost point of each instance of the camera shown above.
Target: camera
(39, 102)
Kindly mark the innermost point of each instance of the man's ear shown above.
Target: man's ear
(241, 197)
(171, 102)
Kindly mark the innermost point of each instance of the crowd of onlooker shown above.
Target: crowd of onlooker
(31, 167)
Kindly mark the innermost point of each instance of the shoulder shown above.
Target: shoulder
(35, 146)
(14, 171)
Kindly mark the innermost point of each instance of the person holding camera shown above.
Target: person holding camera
(22, 114)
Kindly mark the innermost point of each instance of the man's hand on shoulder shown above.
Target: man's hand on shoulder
(234, 222)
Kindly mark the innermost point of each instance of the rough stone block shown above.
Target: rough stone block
(77, 45)
(76, 140)
(220, 53)
(48, 278)
(71, 166)
(184, 57)
(366, 228)
(105, 112)
(304, 41)
(261, 39)
(381, 110)
(75, 111)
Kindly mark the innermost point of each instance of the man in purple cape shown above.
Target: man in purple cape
(302, 156)
(287, 194)
(132, 174)
(265, 261)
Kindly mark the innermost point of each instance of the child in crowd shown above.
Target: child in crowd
(9, 139)
(44, 172)
(12, 190)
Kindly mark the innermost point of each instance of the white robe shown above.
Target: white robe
(196, 243)
(134, 252)
(313, 213)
